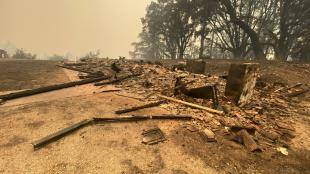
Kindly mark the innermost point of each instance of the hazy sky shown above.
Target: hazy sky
(75, 26)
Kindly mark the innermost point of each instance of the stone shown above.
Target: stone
(248, 141)
(210, 136)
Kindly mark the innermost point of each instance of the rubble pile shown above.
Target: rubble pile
(265, 121)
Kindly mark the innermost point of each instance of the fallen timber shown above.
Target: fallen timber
(141, 118)
(297, 93)
(30, 92)
(123, 111)
(80, 70)
(110, 90)
(117, 80)
(191, 104)
(61, 133)
(288, 88)
(75, 64)
(57, 135)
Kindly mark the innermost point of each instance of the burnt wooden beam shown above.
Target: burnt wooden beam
(297, 93)
(59, 134)
(49, 88)
(210, 110)
(117, 80)
(63, 132)
(75, 64)
(141, 118)
(110, 90)
(149, 105)
(81, 70)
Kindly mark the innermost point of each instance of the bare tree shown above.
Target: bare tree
(253, 34)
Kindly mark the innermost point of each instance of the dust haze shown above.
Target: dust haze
(71, 26)
(155, 86)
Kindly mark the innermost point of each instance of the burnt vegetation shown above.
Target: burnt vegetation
(239, 29)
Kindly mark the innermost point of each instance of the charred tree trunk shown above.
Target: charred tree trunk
(256, 45)
(237, 54)
(281, 52)
(202, 41)
(201, 49)
(181, 55)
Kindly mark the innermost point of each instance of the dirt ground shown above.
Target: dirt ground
(117, 147)
(26, 74)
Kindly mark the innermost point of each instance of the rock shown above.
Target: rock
(236, 138)
(229, 122)
(272, 135)
(285, 126)
(248, 141)
(283, 150)
(249, 128)
(232, 144)
(227, 109)
(288, 133)
(209, 135)
(191, 128)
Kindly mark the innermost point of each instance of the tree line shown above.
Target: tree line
(240, 29)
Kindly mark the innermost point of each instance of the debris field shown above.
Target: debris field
(259, 119)
(246, 105)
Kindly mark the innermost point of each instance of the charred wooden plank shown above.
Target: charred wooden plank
(141, 117)
(49, 88)
(81, 70)
(59, 134)
(139, 107)
(136, 98)
(117, 80)
(288, 88)
(297, 93)
(110, 90)
(191, 104)
(75, 64)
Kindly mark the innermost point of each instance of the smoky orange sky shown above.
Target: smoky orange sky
(72, 26)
